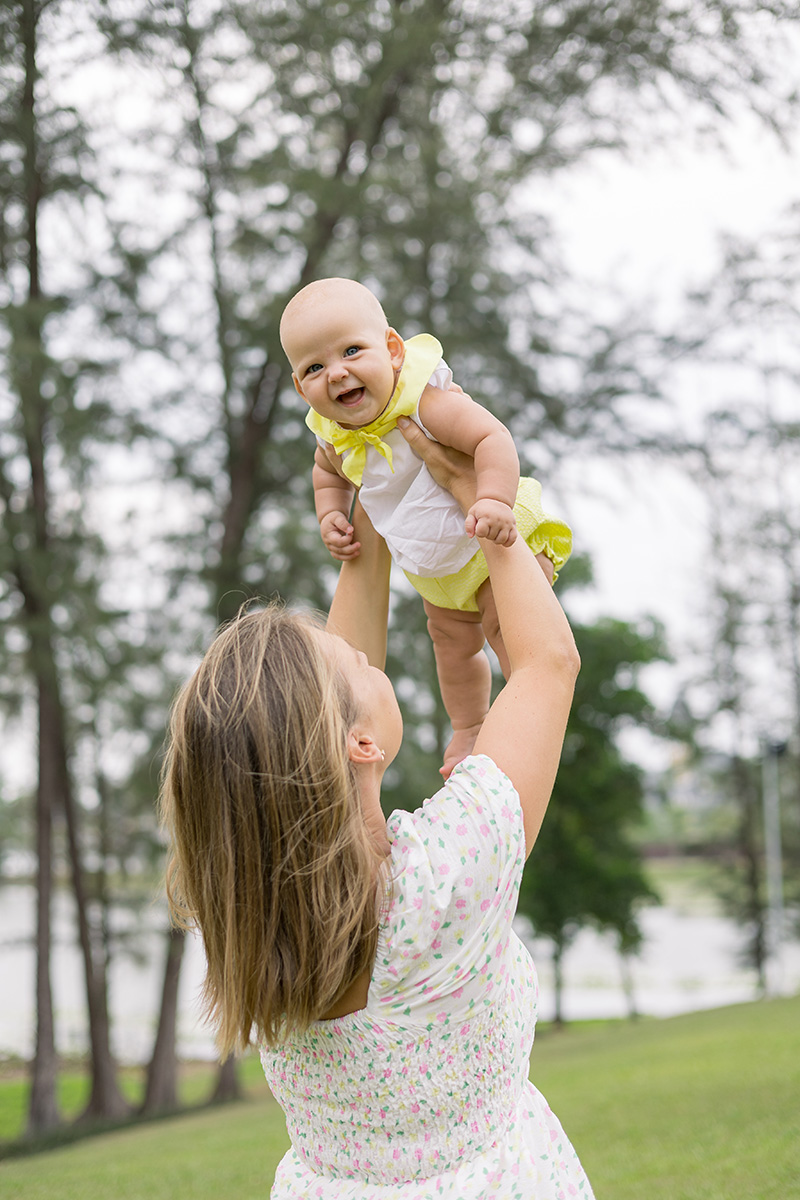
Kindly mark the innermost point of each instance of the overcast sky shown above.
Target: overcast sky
(651, 229)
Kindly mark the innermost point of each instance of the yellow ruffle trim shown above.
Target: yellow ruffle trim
(543, 533)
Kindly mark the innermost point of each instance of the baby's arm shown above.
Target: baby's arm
(333, 496)
(456, 420)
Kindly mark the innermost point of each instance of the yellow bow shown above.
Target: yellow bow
(422, 355)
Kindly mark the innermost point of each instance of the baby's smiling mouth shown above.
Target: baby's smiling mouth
(351, 397)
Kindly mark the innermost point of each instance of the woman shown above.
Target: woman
(375, 962)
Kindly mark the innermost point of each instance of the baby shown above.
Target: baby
(358, 377)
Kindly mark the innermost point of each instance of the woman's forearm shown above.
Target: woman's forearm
(533, 623)
(359, 610)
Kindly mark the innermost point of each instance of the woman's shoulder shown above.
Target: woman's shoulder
(470, 830)
(477, 784)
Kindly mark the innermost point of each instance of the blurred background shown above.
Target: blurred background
(596, 209)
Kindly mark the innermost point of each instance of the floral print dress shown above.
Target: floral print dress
(424, 1093)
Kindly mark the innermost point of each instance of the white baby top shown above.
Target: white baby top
(420, 522)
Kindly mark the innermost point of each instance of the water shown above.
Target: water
(689, 961)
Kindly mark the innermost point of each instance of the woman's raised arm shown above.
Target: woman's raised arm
(359, 611)
(524, 730)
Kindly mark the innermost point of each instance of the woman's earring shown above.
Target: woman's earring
(383, 755)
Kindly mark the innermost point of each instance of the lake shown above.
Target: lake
(690, 960)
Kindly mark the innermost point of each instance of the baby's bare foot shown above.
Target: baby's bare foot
(459, 747)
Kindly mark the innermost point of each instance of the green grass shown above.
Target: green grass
(701, 1107)
(195, 1086)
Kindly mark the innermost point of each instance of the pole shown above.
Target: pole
(770, 753)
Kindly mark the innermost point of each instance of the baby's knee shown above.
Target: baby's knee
(448, 627)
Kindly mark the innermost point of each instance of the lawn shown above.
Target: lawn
(701, 1107)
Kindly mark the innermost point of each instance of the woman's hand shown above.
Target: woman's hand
(359, 610)
(450, 468)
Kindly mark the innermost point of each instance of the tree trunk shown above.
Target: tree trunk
(750, 850)
(558, 983)
(627, 984)
(161, 1091)
(43, 1111)
(105, 1098)
(228, 1086)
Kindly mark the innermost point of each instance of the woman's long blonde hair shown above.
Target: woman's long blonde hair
(270, 854)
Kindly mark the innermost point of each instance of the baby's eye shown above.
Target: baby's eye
(351, 350)
(312, 370)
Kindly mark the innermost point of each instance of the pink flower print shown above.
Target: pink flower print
(417, 902)
(396, 1153)
(444, 868)
(441, 1017)
(484, 828)
(461, 904)
(461, 829)
(487, 904)
(468, 881)
(415, 1107)
(458, 993)
(473, 852)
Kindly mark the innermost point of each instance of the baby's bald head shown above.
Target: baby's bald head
(326, 296)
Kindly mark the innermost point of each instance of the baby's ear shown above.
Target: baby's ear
(396, 347)
(298, 387)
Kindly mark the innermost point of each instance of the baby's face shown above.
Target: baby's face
(344, 363)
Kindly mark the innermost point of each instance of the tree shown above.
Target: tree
(585, 867)
(50, 558)
(400, 144)
(744, 326)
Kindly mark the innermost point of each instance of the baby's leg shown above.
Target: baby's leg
(488, 614)
(465, 677)
(491, 625)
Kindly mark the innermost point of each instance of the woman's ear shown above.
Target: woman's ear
(362, 749)
(396, 347)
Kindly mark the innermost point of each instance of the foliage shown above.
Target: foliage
(746, 690)
(585, 867)
(190, 163)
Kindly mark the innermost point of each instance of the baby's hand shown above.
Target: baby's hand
(337, 534)
(492, 519)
